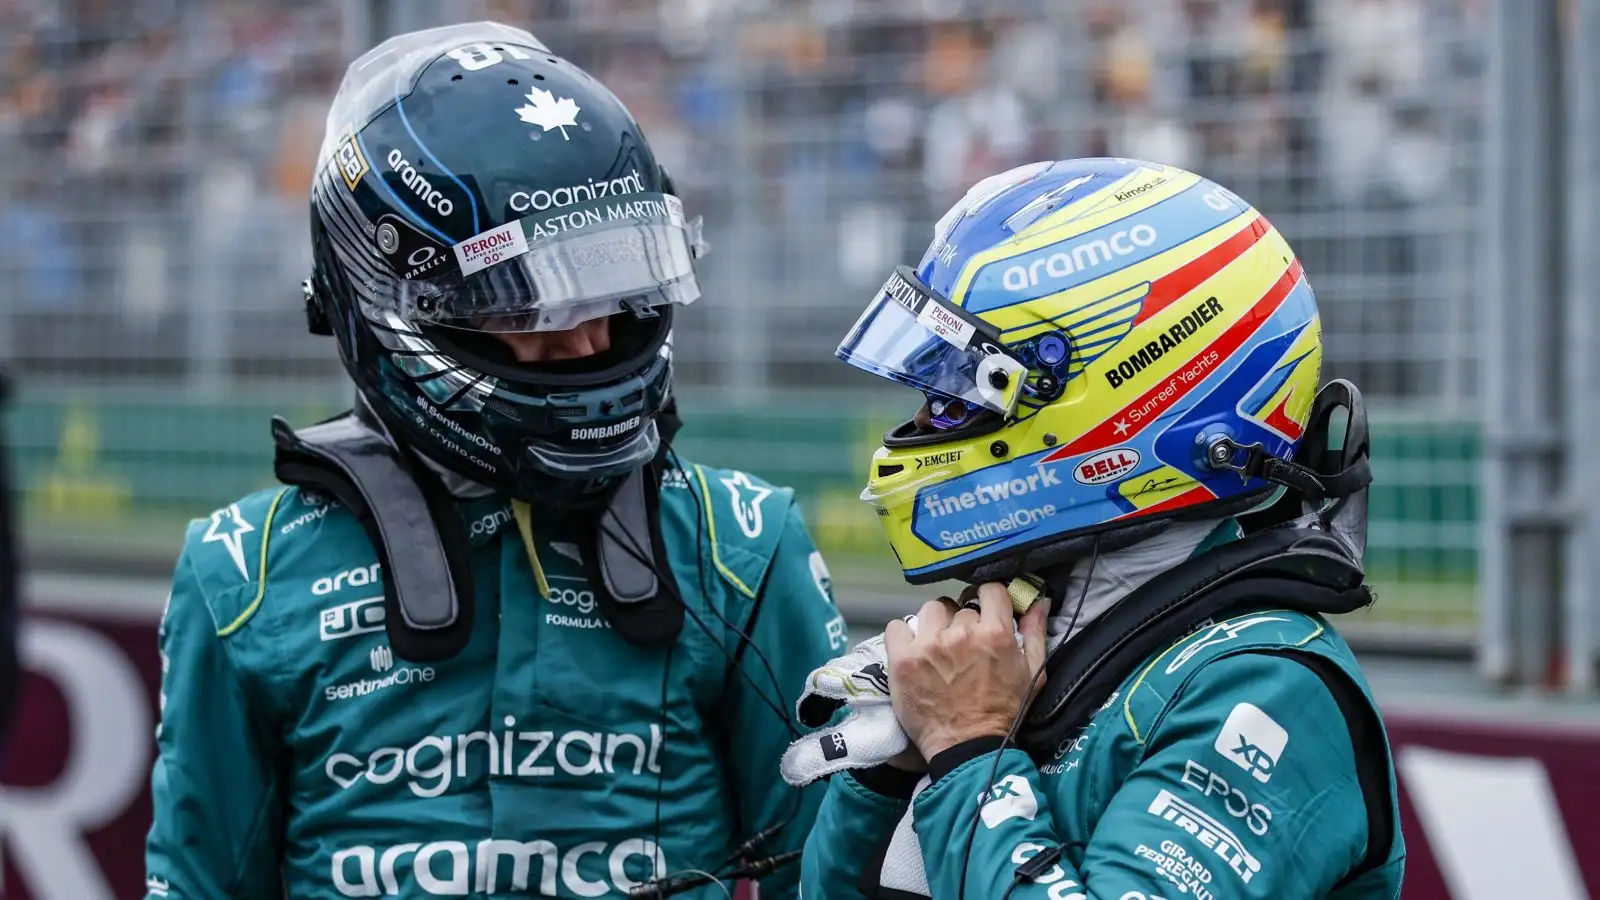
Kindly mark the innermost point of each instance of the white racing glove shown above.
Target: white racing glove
(868, 736)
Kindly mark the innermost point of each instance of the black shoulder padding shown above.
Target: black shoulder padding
(414, 527)
(1297, 569)
(627, 563)
(1371, 754)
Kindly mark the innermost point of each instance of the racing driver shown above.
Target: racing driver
(491, 636)
(1125, 435)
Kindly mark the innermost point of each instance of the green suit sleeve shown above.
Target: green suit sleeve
(1245, 788)
(851, 826)
(217, 821)
(795, 628)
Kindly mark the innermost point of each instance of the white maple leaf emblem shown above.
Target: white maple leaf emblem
(547, 112)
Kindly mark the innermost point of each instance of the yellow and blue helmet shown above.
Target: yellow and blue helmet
(1103, 345)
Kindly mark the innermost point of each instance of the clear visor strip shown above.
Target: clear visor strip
(963, 335)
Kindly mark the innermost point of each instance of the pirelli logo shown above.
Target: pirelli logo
(1210, 833)
(351, 164)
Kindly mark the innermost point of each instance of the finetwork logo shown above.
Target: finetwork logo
(1211, 834)
(1252, 740)
(993, 492)
(1012, 520)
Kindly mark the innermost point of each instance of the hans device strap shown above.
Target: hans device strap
(626, 556)
(410, 519)
(1299, 569)
(414, 526)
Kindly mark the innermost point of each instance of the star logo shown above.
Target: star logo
(746, 510)
(1121, 428)
(229, 527)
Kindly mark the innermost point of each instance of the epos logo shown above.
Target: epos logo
(1108, 465)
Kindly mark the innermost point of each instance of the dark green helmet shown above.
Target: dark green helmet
(471, 181)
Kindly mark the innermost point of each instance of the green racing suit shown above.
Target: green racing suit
(1223, 767)
(299, 755)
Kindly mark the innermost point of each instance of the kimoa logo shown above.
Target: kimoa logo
(1079, 257)
(455, 869)
(419, 184)
(541, 200)
(994, 492)
(432, 763)
(360, 576)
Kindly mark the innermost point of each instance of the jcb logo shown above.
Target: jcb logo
(351, 619)
(352, 165)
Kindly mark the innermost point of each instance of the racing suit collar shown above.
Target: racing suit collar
(1118, 573)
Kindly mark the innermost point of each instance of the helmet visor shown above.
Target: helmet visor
(555, 270)
(911, 335)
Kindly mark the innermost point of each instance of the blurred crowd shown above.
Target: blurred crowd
(157, 153)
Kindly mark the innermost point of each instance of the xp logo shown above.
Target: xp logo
(350, 619)
(833, 746)
(1252, 740)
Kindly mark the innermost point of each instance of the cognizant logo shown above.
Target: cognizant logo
(456, 869)
(541, 200)
(993, 492)
(432, 763)
(1079, 257)
(489, 524)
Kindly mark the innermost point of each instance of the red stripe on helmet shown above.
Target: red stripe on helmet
(1174, 285)
(1153, 404)
(1197, 494)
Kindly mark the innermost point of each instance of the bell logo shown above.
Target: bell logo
(1108, 465)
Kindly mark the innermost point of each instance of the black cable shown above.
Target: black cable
(661, 710)
(633, 546)
(636, 552)
(701, 517)
(639, 558)
(1016, 721)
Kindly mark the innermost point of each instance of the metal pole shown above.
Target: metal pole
(1582, 332)
(744, 342)
(1523, 412)
(205, 284)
